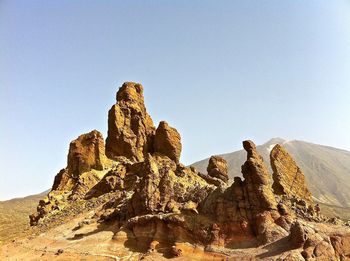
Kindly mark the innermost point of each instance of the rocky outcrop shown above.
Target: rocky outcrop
(130, 128)
(217, 168)
(315, 244)
(288, 179)
(167, 141)
(158, 204)
(166, 188)
(85, 153)
(257, 180)
(114, 180)
(86, 166)
(247, 209)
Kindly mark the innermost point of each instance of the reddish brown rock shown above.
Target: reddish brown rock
(85, 167)
(258, 190)
(161, 207)
(114, 180)
(287, 176)
(167, 141)
(61, 180)
(217, 168)
(297, 235)
(85, 153)
(161, 190)
(130, 128)
(248, 206)
(341, 245)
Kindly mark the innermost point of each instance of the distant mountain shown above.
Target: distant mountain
(327, 169)
(14, 215)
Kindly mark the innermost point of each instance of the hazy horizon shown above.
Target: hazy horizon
(218, 72)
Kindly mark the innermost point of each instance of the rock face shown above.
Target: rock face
(130, 128)
(114, 180)
(256, 175)
(167, 141)
(85, 168)
(245, 213)
(85, 153)
(158, 204)
(217, 168)
(166, 188)
(287, 176)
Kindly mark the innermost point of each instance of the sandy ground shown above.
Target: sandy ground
(95, 242)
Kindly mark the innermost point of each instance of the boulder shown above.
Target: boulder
(217, 168)
(288, 179)
(297, 235)
(130, 128)
(167, 141)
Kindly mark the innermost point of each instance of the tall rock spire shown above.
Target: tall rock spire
(130, 128)
(287, 176)
(256, 176)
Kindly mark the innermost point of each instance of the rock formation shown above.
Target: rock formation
(158, 204)
(130, 128)
(217, 168)
(164, 188)
(85, 153)
(167, 141)
(288, 179)
(257, 177)
(86, 165)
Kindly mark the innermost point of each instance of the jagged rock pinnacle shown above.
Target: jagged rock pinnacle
(287, 176)
(167, 141)
(217, 168)
(130, 128)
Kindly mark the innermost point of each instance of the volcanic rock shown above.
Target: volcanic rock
(341, 245)
(160, 190)
(298, 235)
(247, 209)
(130, 128)
(255, 172)
(85, 168)
(167, 141)
(112, 181)
(287, 176)
(152, 204)
(217, 168)
(86, 152)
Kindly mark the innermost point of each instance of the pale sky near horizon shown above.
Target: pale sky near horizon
(218, 71)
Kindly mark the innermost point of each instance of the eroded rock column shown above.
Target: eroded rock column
(130, 128)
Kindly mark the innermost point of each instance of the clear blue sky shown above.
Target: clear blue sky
(218, 71)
